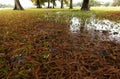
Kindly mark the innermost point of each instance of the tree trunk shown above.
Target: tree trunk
(62, 4)
(53, 4)
(71, 4)
(38, 4)
(18, 5)
(48, 3)
(85, 5)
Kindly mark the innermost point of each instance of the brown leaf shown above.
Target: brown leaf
(2, 54)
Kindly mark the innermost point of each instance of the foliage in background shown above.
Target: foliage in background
(116, 3)
(4, 6)
(95, 3)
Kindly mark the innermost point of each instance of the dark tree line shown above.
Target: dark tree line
(85, 4)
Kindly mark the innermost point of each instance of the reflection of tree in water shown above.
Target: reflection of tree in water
(99, 29)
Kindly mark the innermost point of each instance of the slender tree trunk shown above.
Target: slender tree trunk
(62, 4)
(48, 3)
(18, 5)
(53, 4)
(85, 5)
(71, 4)
(38, 4)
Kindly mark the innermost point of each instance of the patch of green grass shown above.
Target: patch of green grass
(105, 8)
(2, 60)
(55, 14)
(3, 72)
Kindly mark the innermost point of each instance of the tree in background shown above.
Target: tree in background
(39, 3)
(54, 4)
(85, 5)
(18, 5)
(107, 4)
(48, 3)
(116, 3)
(71, 4)
(62, 4)
(5, 5)
(78, 4)
(94, 3)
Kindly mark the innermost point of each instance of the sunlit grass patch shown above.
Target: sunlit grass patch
(48, 13)
(105, 8)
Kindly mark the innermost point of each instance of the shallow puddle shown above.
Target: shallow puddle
(75, 25)
(104, 29)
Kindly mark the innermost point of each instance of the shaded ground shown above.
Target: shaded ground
(39, 45)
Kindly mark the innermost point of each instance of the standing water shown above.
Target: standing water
(75, 26)
(104, 29)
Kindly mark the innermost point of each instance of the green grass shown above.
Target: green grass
(105, 8)
(99, 12)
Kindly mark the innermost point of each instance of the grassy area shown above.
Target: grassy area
(99, 12)
(106, 8)
(37, 44)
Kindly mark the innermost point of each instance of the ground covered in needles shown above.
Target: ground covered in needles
(37, 44)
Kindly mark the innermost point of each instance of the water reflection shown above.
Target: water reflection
(75, 26)
(104, 29)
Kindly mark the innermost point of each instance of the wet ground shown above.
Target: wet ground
(42, 46)
(102, 29)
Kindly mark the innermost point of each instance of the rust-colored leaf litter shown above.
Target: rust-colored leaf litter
(37, 48)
